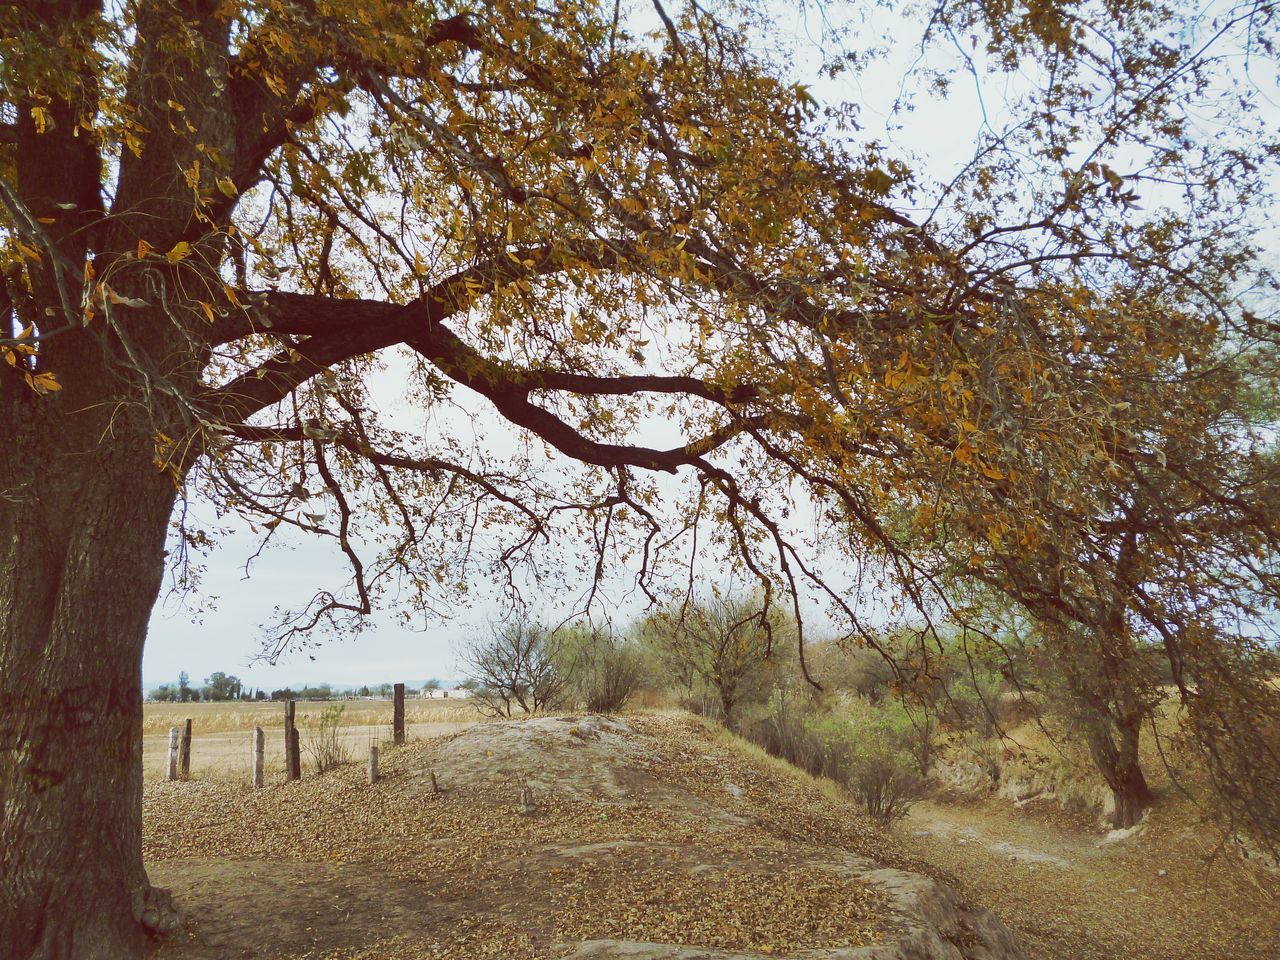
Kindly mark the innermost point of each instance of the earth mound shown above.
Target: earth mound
(552, 837)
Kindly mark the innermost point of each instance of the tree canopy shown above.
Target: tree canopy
(225, 225)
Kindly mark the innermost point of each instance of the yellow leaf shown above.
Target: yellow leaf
(181, 250)
(228, 187)
(144, 249)
(44, 383)
(207, 308)
(41, 117)
(175, 105)
(991, 473)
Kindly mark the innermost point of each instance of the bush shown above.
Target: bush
(869, 749)
(885, 782)
(324, 740)
(604, 669)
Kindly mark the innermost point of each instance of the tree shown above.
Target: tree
(725, 642)
(185, 692)
(603, 668)
(430, 687)
(163, 694)
(220, 687)
(515, 665)
(218, 219)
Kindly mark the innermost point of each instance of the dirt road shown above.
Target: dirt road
(1070, 896)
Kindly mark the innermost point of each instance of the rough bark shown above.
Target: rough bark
(82, 534)
(1115, 751)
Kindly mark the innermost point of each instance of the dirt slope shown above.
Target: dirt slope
(647, 839)
(1166, 893)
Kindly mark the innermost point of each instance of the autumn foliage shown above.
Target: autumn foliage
(225, 226)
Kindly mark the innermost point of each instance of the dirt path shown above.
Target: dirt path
(1150, 897)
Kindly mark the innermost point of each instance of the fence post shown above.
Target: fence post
(398, 715)
(292, 762)
(259, 752)
(373, 763)
(295, 771)
(173, 753)
(184, 752)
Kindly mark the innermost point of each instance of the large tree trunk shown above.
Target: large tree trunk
(83, 519)
(1114, 747)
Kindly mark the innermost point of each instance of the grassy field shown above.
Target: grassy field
(221, 740)
(236, 715)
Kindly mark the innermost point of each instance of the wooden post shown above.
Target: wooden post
(295, 754)
(259, 752)
(373, 763)
(184, 752)
(292, 761)
(173, 753)
(398, 715)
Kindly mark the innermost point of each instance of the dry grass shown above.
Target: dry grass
(230, 716)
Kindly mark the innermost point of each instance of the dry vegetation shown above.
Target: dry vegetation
(485, 881)
(235, 715)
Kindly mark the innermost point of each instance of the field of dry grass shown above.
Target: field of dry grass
(236, 715)
(221, 740)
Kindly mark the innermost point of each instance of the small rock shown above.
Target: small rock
(1162, 873)
(922, 833)
(1132, 890)
(735, 791)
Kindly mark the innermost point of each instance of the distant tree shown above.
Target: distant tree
(604, 668)
(260, 695)
(285, 694)
(220, 686)
(165, 693)
(184, 687)
(364, 691)
(514, 666)
(430, 687)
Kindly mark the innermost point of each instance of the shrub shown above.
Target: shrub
(867, 748)
(324, 740)
(605, 671)
(885, 782)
